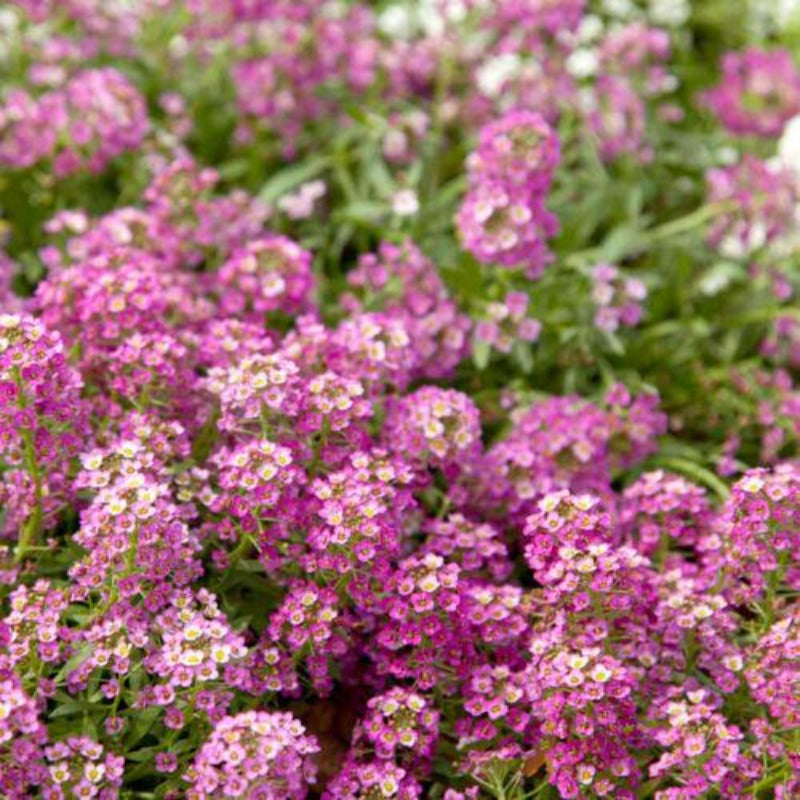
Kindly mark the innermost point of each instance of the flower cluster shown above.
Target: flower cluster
(291, 505)
(253, 479)
(507, 322)
(583, 701)
(433, 427)
(267, 275)
(477, 548)
(560, 442)
(42, 422)
(94, 117)
(774, 672)
(373, 779)
(78, 767)
(401, 281)
(21, 740)
(495, 703)
(759, 92)
(758, 536)
(503, 218)
(310, 628)
(399, 726)
(416, 638)
(762, 200)
(283, 88)
(254, 754)
(616, 116)
(618, 299)
(661, 510)
(195, 642)
(701, 746)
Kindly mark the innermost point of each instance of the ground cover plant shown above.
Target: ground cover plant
(399, 399)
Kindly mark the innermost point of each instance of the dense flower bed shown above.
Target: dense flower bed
(397, 399)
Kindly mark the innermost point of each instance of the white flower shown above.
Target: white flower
(752, 485)
(191, 658)
(621, 9)
(493, 74)
(428, 584)
(576, 661)
(192, 632)
(396, 22)
(672, 13)
(430, 19)
(60, 772)
(766, 14)
(733, 663)
(221, 653)
(585, 565)
(702, 611)
(9, 21)
(405, 203)
(389, 786)
(116, 505)
(600, 673)
(455, 10)
(585, 774)
(727, 156)
(582, 63)
(786, 11)
(590, 29)
(94, 772)
(178, 46)
(789, 145)
(730, 247)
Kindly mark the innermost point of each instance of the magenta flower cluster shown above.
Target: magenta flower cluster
(504, 218)
(759, 92)
(618, 299)
(269, 525)
(82, 125)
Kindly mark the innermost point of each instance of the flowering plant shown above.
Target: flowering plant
(397, 399)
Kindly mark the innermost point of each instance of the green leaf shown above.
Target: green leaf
(362, 212)
(145, 754)
(32, 269)
(465, 278)
(614, 343)
(523, 356)
(696, 472)
(449, 193)
(143, 721)
(80, 656)
(234, 170)
(290, 177)
(70, 707)
(621, 242)
(481, 353)
(720, 276)
(205, 439)
(356, 112)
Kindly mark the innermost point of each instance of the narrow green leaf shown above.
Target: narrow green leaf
(291, 177)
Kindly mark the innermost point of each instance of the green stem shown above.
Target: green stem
(133, 546)
(773, 584)
(29, 535)
(696, 472)
(647, 239)
(663, 551)
(691, 651)
(240, 551)
(437, 132)
(687, 223)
